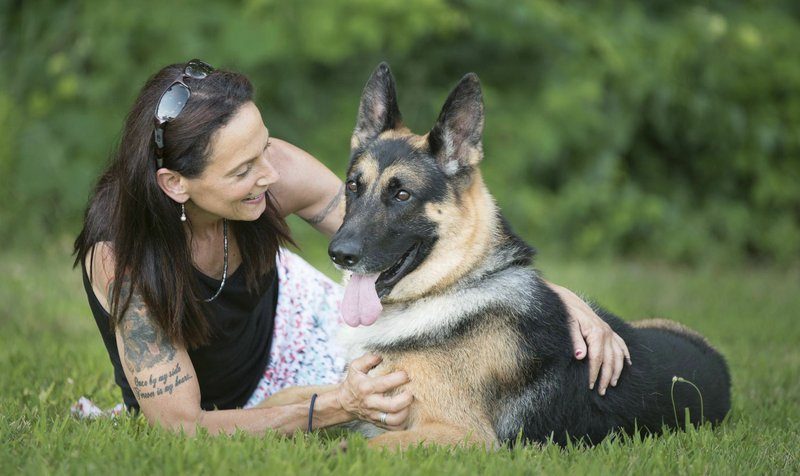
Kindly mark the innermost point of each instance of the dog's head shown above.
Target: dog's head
(417, 213)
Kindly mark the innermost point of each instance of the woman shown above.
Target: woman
(179, 251)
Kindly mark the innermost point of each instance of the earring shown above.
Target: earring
(183, 212)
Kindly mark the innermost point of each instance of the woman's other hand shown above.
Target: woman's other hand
(607, 351)
(365, 397)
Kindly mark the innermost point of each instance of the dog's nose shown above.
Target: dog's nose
(344, 254)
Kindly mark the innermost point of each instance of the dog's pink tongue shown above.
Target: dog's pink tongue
(361, 304)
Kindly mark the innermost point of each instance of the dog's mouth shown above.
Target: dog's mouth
(407, 263)
(361, 303)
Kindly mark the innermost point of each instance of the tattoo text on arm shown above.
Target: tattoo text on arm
(319, 217)
(162, 384)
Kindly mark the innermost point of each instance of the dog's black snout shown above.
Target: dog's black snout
(344, 254)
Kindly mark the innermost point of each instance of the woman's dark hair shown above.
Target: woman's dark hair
(128, 208)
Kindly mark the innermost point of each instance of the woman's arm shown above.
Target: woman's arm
(306, 187)
(606, 349)
(165, 384)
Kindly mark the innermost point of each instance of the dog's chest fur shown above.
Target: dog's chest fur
(432, 320)
(454, 382)
(459, 350)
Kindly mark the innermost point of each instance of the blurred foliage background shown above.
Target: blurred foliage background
(663, 129)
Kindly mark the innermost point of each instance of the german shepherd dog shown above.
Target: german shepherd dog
(442, 288)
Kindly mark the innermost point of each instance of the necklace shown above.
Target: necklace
(224, 262)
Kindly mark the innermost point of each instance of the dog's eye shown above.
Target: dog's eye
(402, 196)
(352, 185)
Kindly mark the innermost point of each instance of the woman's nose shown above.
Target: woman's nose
(268, 174)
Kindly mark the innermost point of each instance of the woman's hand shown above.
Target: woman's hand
(364, 397)
(606, 349)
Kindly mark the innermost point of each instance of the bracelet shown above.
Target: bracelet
(311, 412)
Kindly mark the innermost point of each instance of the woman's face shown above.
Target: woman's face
(238, 173)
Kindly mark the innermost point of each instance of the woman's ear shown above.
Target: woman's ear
(173, 184)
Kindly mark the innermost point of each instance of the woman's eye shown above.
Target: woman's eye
(402, 196)
(352, 185)
(246, 170)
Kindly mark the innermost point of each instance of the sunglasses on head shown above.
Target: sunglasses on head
(174, 99)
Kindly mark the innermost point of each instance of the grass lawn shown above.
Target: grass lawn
(51, 354)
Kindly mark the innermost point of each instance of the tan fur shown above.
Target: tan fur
(668, 325)
(399, 133)
(418, 142)
(367, 166)
(449, 386)
(474, 156)
(404, 172)
(466, 230)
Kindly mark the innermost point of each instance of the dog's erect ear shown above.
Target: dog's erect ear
(455, 140)
(378, 111)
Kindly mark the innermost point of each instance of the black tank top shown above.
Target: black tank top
(230, 367)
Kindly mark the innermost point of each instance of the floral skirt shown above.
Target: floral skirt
(304, 350)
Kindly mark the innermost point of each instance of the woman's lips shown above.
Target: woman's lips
(256, 200)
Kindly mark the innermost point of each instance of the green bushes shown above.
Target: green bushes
(654, 128)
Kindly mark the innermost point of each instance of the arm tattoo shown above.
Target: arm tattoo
(319, 217)
(146, 344)
(162, 384)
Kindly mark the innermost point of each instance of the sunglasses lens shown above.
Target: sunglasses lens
(172, 102)
(198, 69)
(174, 99)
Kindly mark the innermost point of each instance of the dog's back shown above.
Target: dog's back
(675, 369)
(676, 352)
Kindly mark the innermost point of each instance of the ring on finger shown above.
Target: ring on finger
(383, 418)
